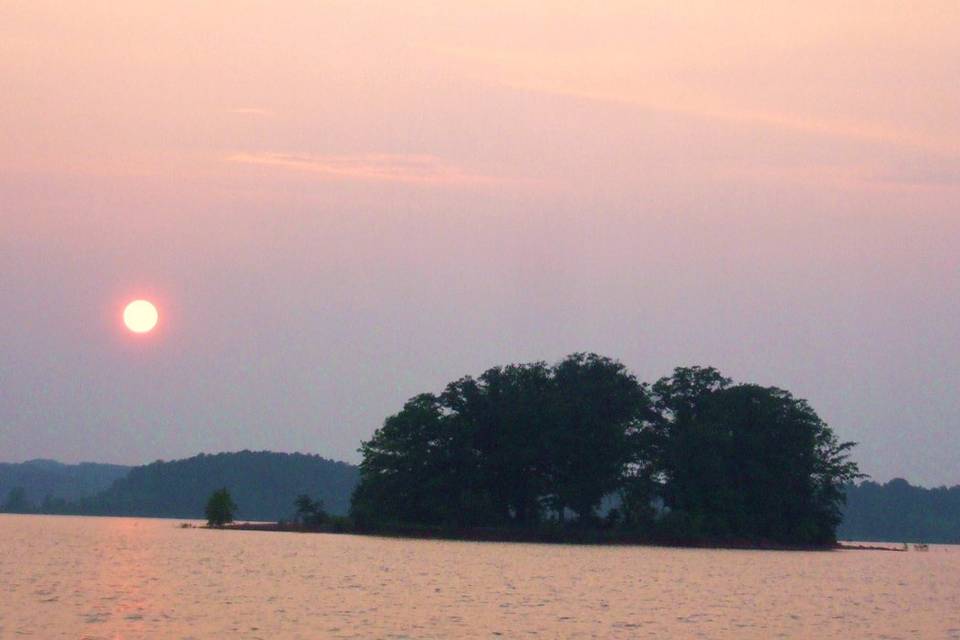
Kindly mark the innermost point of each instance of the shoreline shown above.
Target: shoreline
(547, 536)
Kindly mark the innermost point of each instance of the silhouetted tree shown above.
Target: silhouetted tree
(748, 461)
(502, 423)
(220, 508)
(596, 431)
(402, 474)
(310, 512)
(501, 448)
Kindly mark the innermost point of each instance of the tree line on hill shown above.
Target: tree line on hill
(533, 445)
(42, 484)
(900, 512)
(263, 483)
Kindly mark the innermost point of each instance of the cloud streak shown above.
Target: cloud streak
(920, 172)
(251, 111)
(853, 131)
(376, 167)
(576, 77)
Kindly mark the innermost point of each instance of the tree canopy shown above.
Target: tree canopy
(220, 508)
(310, 512)
(748, 461)
(693, 455)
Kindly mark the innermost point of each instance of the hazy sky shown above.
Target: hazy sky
(337, 205)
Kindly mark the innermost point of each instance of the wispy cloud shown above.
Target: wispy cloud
(576, 76)
(811, 125)
(919, 172)
(251, 111)
(417, 169)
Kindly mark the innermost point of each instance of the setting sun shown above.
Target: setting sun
(140, 316)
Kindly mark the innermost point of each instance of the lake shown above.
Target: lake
(123, 578)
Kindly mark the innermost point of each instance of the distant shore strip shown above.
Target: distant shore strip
(548, 536)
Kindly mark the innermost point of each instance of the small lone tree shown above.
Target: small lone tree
(220, 508)
(310, 513)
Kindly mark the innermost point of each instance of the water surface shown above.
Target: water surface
(124, 578)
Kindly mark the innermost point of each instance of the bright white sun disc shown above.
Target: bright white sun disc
(140, 316)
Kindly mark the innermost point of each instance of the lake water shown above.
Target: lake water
(122, 578)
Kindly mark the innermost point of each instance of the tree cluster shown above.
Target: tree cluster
(220, 508)
(691, 456)
(310, 512)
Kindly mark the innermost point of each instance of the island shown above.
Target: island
(582, 451)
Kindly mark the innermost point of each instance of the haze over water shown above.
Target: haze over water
(126, 578)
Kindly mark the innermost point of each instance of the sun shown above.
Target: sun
(140, 316)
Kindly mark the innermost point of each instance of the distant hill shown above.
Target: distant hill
(900, 512)
(48, 480)
(264, 485)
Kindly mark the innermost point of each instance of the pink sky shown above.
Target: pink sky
(337, 205)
